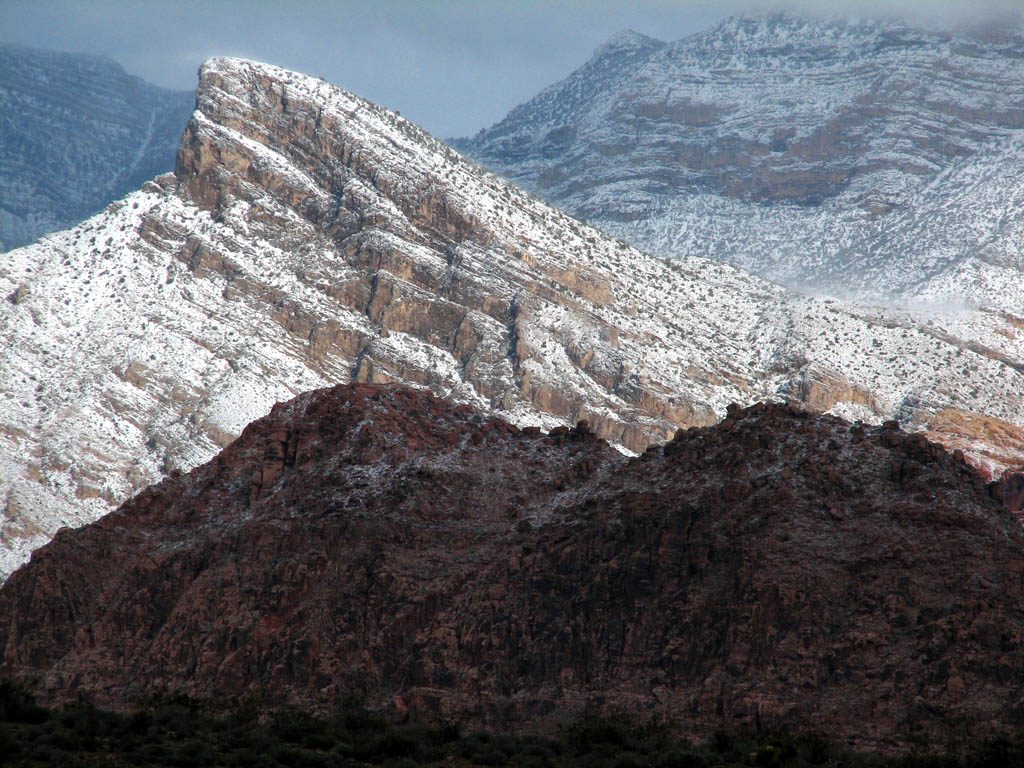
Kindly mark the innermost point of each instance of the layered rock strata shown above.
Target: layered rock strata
(308, 237)
(866, 157)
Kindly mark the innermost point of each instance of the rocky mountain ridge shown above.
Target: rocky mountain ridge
(778, 567)
(856, 157)
(308, 237)
(76, 132)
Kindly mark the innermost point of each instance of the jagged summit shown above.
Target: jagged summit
(627, 40)
(237, 81)
(778, 568)
(308, 237)
(808, 26)
(806, 38)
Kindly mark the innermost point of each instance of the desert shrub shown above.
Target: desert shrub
(472, 744)
(630, 760)
(446, 733)
(395, 744)
(492, 755)
(536, 755)
(177, 731)
(816, 749)
(48, 754)
(88, 726)
(288, 755)
(773, 754)
(997, 752)
(681, 757)
(9, 747)
(17, 705)
(600, 734)
(172, 720)
(723, 744)
(242, 712)
(248, 758)
(138, 723)
(60, 736)
(299, 728)
(193, 752)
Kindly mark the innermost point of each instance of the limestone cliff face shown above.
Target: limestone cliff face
(308, 237)
(778, 567)
(424, 260)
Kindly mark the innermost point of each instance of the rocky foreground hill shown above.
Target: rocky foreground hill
(308, 237)
(865, 157)
(77, 132)
(779, 567)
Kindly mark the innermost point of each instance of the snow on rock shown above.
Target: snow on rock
(309, 237)
(77, 132)
(862, 157)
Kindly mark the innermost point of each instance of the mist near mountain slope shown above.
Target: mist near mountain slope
(76, 133)
(864, 158)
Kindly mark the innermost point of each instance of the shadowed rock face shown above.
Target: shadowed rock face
(778, 567)
(308, 238)
(1012, 484)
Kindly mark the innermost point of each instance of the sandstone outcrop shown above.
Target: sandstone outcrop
(777, 568)
(1011, 485)
(308, 237)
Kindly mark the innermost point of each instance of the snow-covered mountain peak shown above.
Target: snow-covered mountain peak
(309, 237)
(804, 41)
(627, 40)
(227, 83)
(807, 149)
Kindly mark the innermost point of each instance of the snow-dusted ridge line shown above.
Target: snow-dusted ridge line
(859, 156)
(309, 237)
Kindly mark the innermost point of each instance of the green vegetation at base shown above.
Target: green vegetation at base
(178, 731)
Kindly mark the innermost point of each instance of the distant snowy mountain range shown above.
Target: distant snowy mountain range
(76, 132)
(858, 158)
(309, 237)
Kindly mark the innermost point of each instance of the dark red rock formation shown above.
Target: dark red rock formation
(778, 567)
(1011, 485)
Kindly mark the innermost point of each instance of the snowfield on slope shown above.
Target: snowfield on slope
(309, 237)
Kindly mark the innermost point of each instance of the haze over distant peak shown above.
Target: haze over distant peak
(77, 132)
(862, 157)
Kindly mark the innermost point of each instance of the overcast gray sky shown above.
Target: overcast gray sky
(453, 66)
